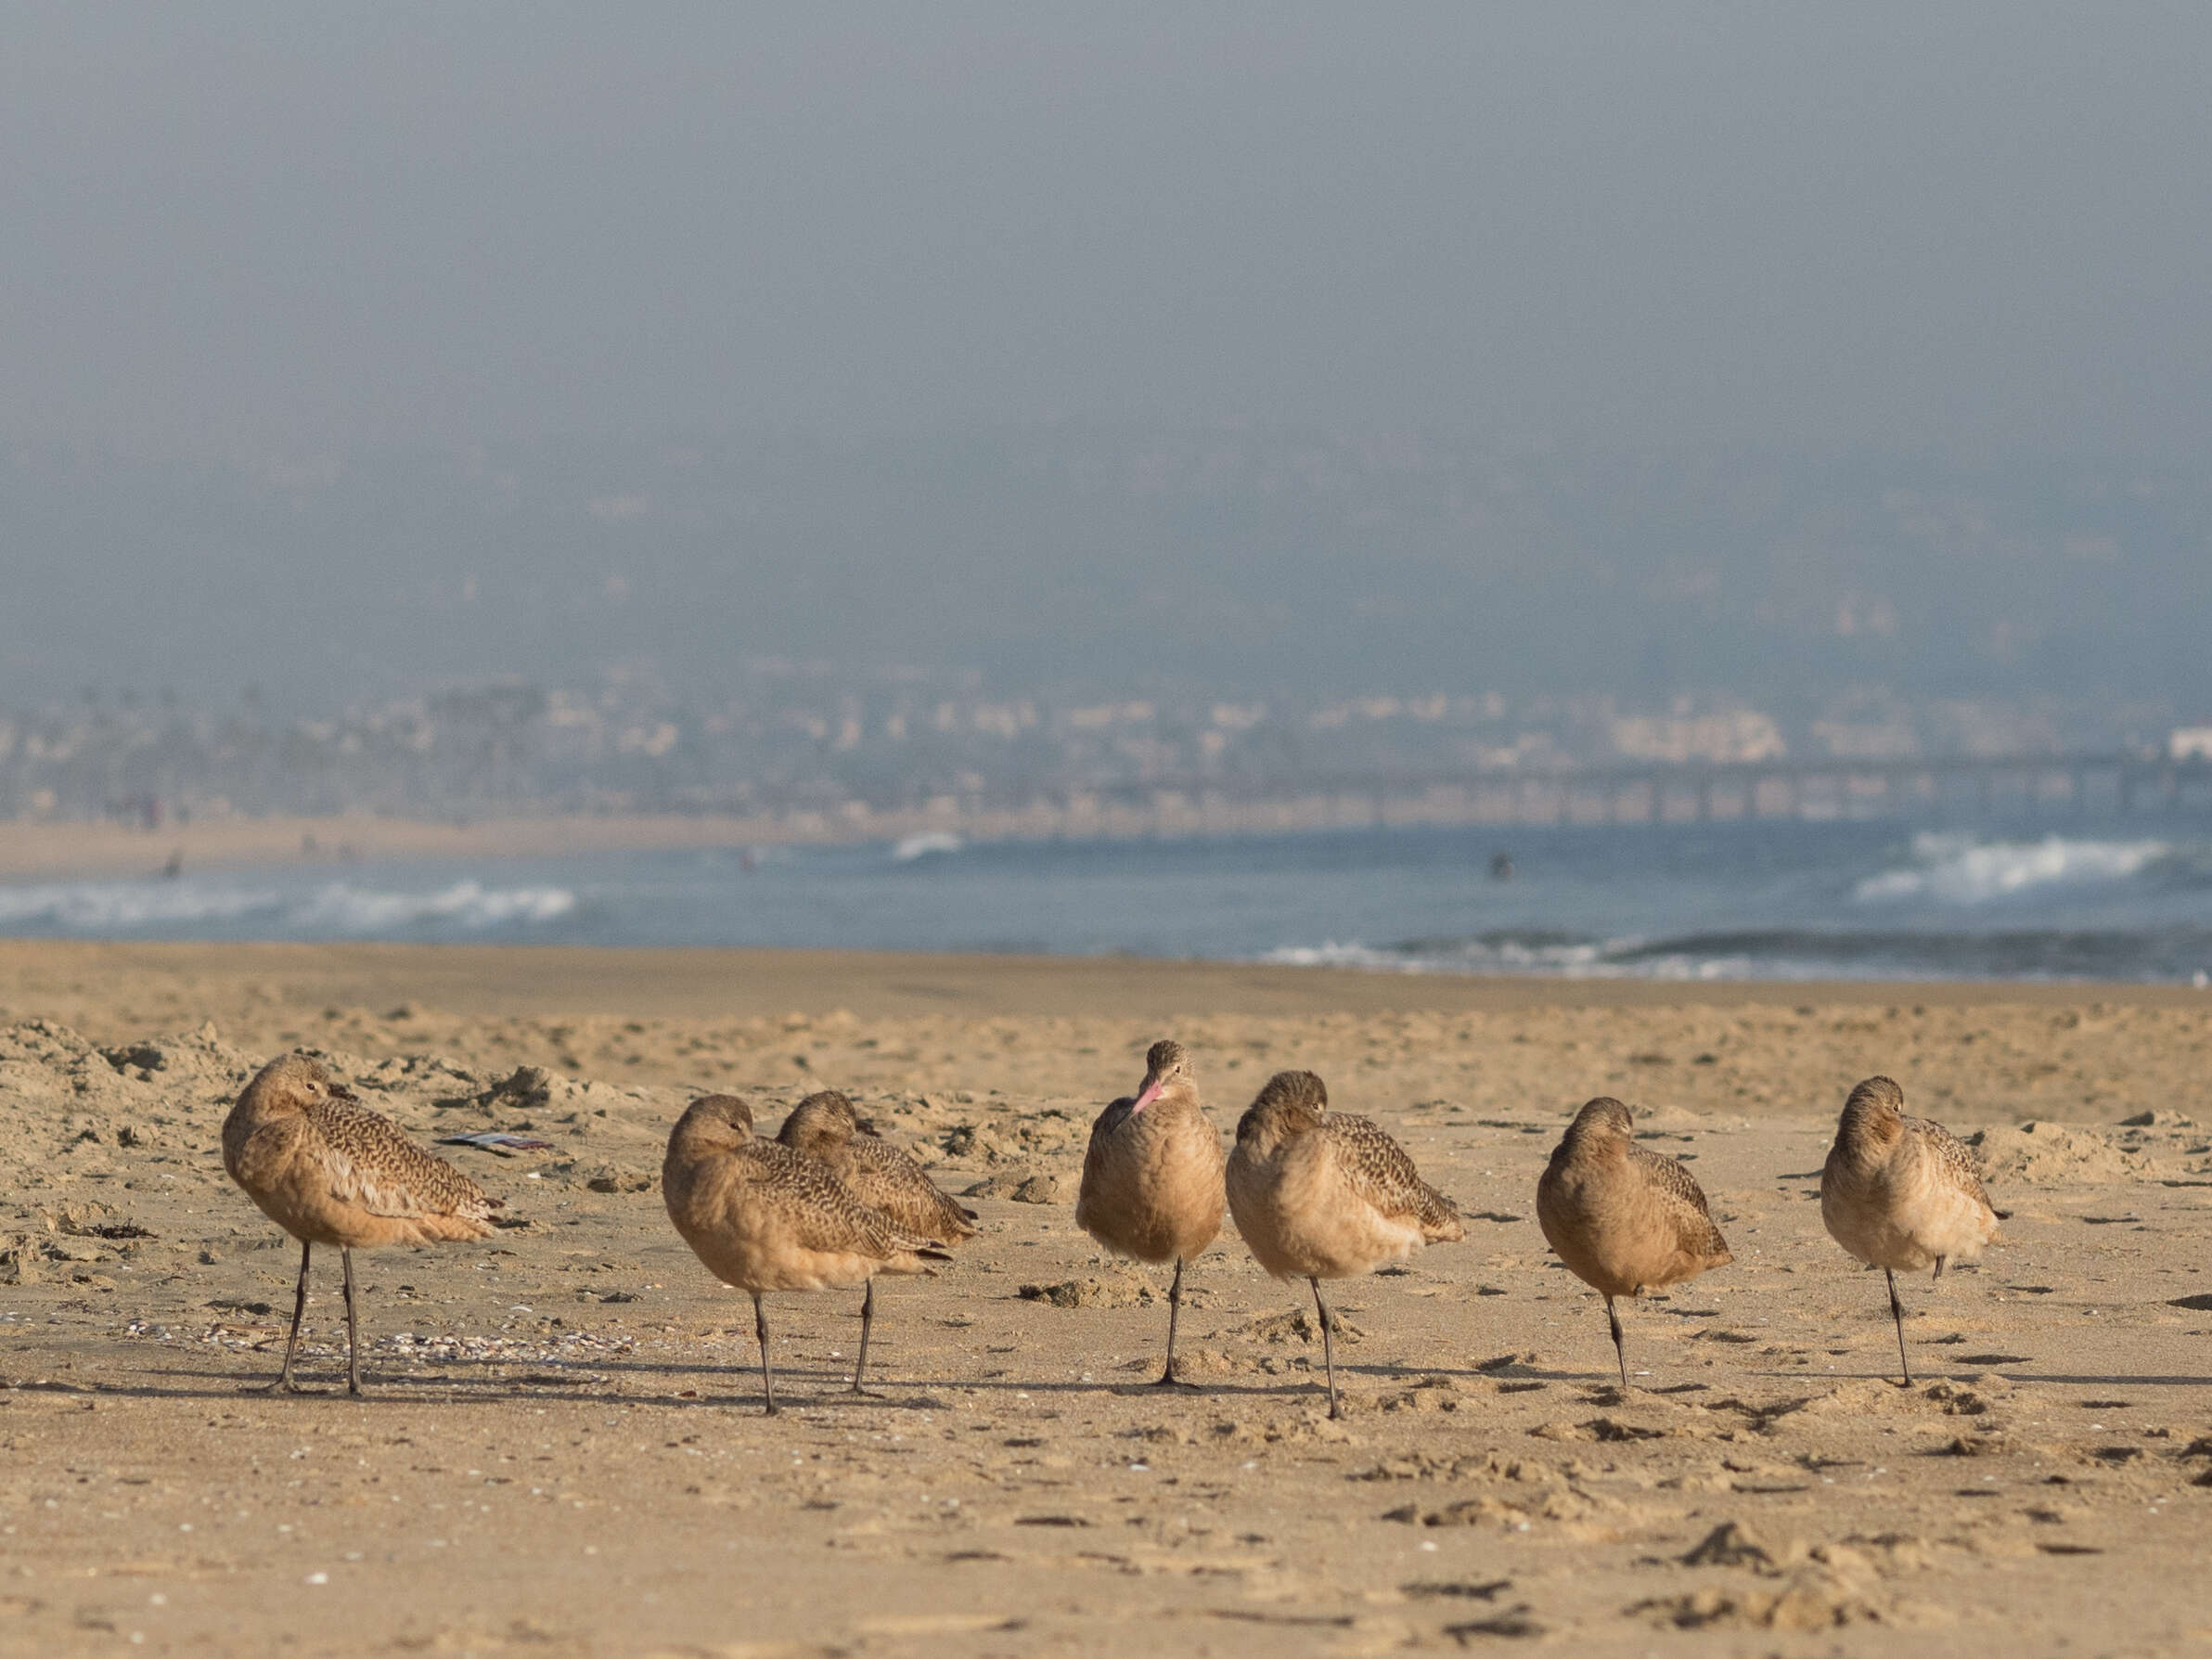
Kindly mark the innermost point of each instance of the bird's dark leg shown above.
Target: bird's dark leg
(1328, 1347)
(1939, 1266)
(760, 1329)
(1613, 1317)
(1897, 1312)
(284, 1378)
(867, 1318)
(1175, 1306)
(352, 1327)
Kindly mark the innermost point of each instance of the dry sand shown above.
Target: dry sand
(563, 1453)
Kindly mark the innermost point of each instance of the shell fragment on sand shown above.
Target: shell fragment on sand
(497, 1140)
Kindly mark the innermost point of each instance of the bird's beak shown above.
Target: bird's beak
(1147, 1095)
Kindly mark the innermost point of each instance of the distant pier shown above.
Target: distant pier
(2094, 785)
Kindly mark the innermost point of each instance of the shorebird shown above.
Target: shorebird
(1624, 1220)
(1901, 1193)
(1321, 1194)
(885, 1178)
(1151, 1179)
(763, 1218)
(329, 1171)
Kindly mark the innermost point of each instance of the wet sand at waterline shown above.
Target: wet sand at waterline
(562, 1451)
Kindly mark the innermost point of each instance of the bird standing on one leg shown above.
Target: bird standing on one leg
(885, 1178)
(1321, 1194)
(329, 1171)
(1624, 1220)
(1151, 1178)
(763, 1218)
(1902, 1193)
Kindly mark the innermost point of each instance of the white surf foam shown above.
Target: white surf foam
(1584, 959)
(341, 907)
(126, 906)
(1956, 869)
(925, 844)
(132, 907)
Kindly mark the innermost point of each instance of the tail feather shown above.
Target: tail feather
(925, 1260)
(451, 1229)
(1440, 1222)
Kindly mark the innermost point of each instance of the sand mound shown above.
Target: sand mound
(1121, 1292)
(1819, 1602)
(1300, 1325)
(1024, 1185)
(82, 1109)
(2045, 1155)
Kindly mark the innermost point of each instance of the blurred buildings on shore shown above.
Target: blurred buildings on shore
(792, 738)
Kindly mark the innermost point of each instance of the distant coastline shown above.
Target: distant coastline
(33, 849)
(2060, 787)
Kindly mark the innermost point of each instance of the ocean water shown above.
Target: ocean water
(2128, 899)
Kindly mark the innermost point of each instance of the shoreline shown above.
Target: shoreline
(66, 851)
(63, 850)
(260, 982)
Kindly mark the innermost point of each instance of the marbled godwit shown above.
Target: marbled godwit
(1151, 1179)
(329, 1171)
(883, 1177)
(1901, 1193)
(763, 1218)
(1321, 1194)
(1624, 1220)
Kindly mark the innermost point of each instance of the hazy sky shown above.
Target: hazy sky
(298, 229)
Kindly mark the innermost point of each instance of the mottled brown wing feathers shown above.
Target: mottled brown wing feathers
(1693, 1219)
(888, 1179)
(1377, 1168)
(371, 1162)
(1956, 1156)
(1669, 1176)
(822, 1213)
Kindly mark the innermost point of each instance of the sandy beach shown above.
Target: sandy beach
(55, 848)
(563, 1452)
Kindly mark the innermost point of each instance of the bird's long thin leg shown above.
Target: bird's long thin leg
(353, 1326)
(284, 1378)
(1175, 1306)
(1328, 1347)
(1939, 1266)
(1897, 1312)
(1613, 1317)
(867, 1318)
(760, 1329)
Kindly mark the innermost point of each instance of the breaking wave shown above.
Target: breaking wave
(1957, 869)
(1497, 952)
(929, 844)
(469, 905)
(2178, 953)
(337, 909)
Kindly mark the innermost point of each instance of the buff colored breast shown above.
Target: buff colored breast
(1623, 1227)
(1921, 1203)
(1302, 1220)
(1153, 1183)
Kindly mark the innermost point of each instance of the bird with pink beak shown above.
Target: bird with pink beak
(1151, 1179)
